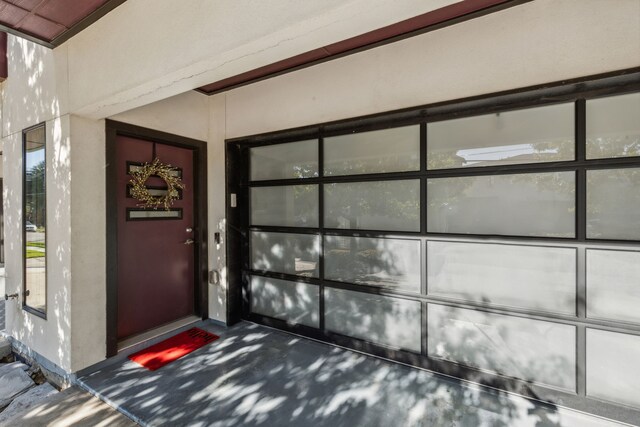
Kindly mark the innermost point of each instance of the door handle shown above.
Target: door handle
(189, 242)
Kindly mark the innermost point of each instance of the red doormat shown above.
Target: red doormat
(171, 349)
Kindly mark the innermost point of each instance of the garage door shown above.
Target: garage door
(498, 243)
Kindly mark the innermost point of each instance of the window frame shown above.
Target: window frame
(25, 305)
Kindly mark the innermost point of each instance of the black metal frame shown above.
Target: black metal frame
(113, 130)
(575, 91)
(25, 305)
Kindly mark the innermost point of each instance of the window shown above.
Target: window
(35, 220)
(288, 206)
(539, 351)
(531, 277)
(285, 161)
(378, 205)
(387, 150)
(531, 204)
(613, 288)
(532, 135)
(612, 366)
(613, 204)
(613, 127)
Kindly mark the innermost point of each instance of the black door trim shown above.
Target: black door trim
(113, 130)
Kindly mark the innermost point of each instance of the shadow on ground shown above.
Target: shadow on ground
(256, 376)
(72, 407)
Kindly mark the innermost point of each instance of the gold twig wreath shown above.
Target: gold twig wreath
(140, 192)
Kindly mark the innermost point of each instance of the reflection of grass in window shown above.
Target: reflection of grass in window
(34, 254)
(36, 244)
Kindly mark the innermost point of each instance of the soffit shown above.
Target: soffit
(438, 18)
(51, 22)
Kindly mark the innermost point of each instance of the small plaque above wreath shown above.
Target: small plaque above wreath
(140, 192)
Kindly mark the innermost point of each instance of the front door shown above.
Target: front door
(155, 247)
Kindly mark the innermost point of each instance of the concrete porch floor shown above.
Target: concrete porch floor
(257, 376)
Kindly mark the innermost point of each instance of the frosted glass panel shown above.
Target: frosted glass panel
(613, 126)
(613, 204)
(285, 253)
(613, 371)
(384, 262)
(533, 204)
(613, 285)
(290, 205)
(388, 150)
(533, 350)
(537, 278)
(296, 302)
(142, 214)
(282, 161)
(390, 321)
(534, 135)
(378, 205)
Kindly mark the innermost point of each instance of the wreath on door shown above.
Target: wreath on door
(167, 173)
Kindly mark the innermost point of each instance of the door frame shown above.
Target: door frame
(113, 130)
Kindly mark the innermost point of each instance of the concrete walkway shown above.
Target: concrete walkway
(256, 376)
(72, 407)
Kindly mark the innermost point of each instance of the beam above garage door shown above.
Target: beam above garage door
(438, 18)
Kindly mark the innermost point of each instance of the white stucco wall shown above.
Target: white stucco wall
(147, 50)
(37, 93)
(534, 43)
(38, 87)
(216, 206)
(186, 114)
(49, 337)
(88, 242)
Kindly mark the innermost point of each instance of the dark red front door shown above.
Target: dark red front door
(155, 256)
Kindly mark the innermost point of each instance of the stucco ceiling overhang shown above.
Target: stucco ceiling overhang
(448, 15)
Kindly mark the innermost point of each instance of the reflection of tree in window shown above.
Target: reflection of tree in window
(34, 219)
(381, 151)
(377, 205)
(536, 204)
(613, 128)
(285, 161)
(614, 146)
(613, 204)
(305, 202)
(517, 153)
(532, 135)
(35, 191)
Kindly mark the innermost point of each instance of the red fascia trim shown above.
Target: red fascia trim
(398, 29)
(267, 70)
(4, 63)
